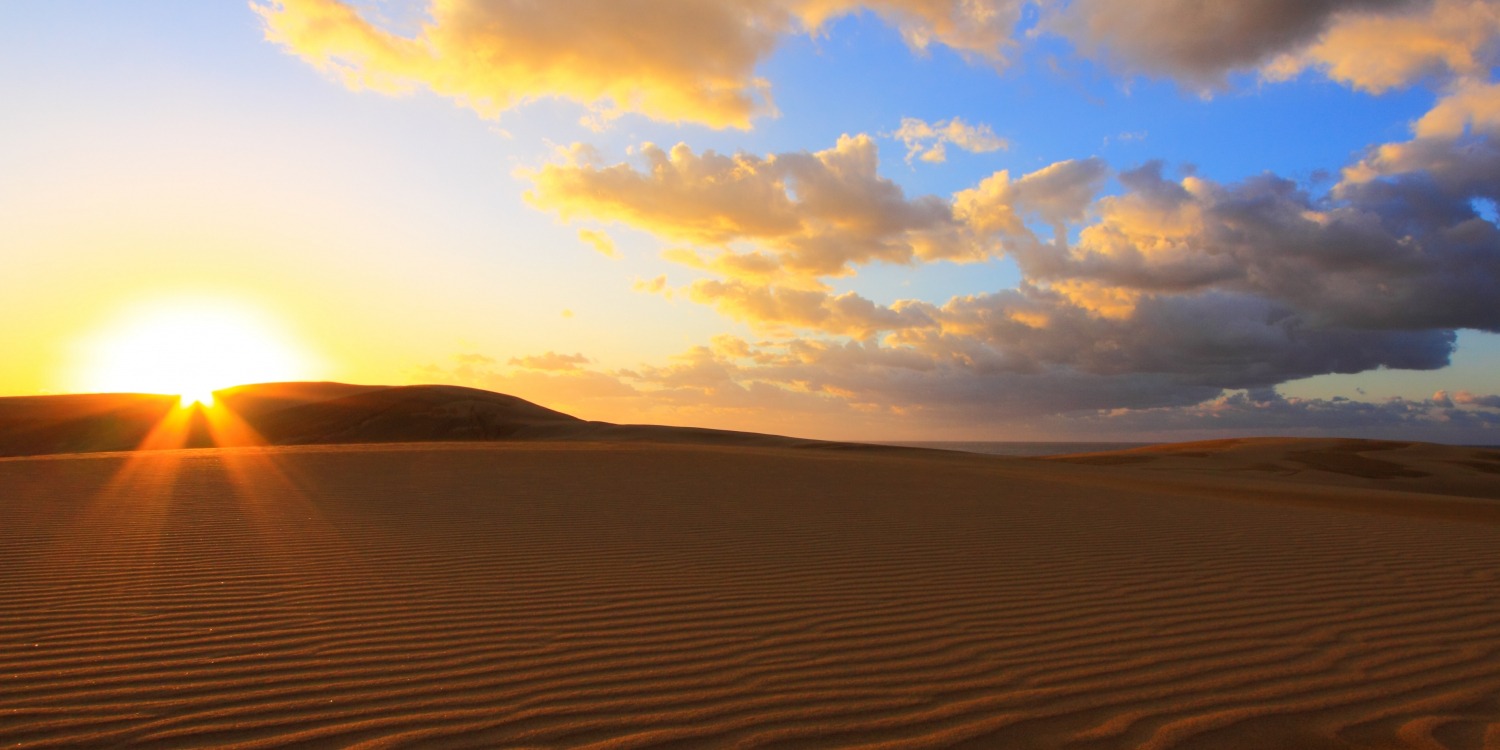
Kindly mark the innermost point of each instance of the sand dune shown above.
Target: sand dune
(313, 414)
(635, 594)
(1399, 478)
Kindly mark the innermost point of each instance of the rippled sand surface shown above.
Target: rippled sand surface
(639, 595)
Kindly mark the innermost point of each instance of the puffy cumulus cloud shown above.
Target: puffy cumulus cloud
(1378, 52)
(929, 141)
(672, 60)
(1408, 252)
(1371, 45)
(1056, 194)
(1454, 155)
(1471, 107)
(1160, 296)
(1455, 144)
(675, 60)
(1199, 42)
(978, 29)
(696, 60)
(811, 214)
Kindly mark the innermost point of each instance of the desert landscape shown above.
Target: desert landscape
(541, 581)
(876, 374)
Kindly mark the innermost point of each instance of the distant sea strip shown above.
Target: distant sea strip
(1013, 448)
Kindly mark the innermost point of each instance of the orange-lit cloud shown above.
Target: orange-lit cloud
(1057, 194)
(671, 60)
(1199, 42)
(696, 60)
(775, 308)
(815, 214)
(599, 241)
(1455, 142)
(1379, 52)
(550, 361)
(674, 60)
(1161, 296)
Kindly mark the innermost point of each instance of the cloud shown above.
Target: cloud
(1266, 412)
(1057, 194)
(599, 241)
(655, 285)
(1407, 252)
(1212, 339)
(979, 29)
(694, 61)
(778, 309)
(929, 142)
(802, 386)
(1162, 296)
(1454, 144)
(550, 361)
(1371, 45)
(1199, 42)
(810, 214)
(670, 60)
(1171, 304)
(1468, 399)
(1379, 52)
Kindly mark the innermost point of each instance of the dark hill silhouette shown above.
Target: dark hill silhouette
(323, 413)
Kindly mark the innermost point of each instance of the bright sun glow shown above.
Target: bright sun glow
(191, 349)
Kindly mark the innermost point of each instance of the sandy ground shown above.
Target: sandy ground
(1251, 595)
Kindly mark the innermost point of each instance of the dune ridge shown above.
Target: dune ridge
(316, 414)
(636, 594)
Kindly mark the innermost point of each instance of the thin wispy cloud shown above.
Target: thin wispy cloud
(929, 142)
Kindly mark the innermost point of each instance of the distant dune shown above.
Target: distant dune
(1294, 467)
(315, 414)
(608, 586)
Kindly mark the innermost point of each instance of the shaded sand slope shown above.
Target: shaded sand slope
(34, 425)
(638, 595)
(1278, 465)
(312, 414)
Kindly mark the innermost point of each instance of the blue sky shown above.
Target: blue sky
(399, 232)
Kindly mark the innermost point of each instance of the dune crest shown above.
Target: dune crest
(316, 414)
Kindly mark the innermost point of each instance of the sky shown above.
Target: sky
(879, 220)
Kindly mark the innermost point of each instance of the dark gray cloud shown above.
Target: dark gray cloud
(1404, 252)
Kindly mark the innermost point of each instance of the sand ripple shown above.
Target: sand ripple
(640, 596)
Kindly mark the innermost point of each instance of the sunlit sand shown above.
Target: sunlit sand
(674, 588)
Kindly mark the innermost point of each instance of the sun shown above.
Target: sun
(189, 348)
